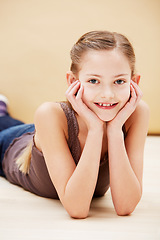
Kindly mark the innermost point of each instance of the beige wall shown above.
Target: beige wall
(36, 37)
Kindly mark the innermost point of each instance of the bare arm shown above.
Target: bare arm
(126, 158)
(81, 185)
(75, 185)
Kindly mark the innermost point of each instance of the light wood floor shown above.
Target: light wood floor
(26, 216)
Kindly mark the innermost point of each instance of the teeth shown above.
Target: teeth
(105, 104)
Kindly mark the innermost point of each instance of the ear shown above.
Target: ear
(136, 78)
(70, 77)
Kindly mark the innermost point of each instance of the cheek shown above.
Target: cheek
(125, 94)
(87, 94)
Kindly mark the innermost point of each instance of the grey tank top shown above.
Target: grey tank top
(38, 180)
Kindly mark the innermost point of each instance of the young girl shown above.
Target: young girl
(78, 149)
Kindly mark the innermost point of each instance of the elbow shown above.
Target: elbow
(124, 212)
(78, 214)
(76, 209)
(126, 208)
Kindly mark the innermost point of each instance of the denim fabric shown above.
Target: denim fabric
(7, 121)
(9, 134)
(3, 108)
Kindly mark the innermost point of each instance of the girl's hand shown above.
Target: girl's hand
(74, 95)
(128, 109)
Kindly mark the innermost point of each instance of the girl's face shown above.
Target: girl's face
(106, 77)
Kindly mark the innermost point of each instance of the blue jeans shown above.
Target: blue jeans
(7, 121)
(9, 134)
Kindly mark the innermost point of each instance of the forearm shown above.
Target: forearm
(125, 187)
(81, 185)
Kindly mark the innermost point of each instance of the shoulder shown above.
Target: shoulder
(142, 109)
(49, 108)
(141, 112)
(139, 117)
(50, 115)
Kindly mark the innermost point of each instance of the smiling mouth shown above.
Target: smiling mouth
(106, 105)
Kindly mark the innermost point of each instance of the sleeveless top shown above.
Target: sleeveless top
(38, 180)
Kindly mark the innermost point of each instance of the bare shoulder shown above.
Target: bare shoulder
(49, 117)
(50, 108)
(142, 108)
(49, 111)
(140, 116)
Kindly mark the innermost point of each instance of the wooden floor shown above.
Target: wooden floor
(26, 216)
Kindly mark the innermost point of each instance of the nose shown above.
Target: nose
(107, 93)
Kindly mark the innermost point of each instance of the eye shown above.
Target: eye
(119, 81)
(93, 81)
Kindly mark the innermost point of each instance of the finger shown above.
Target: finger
(72, 96)
(133, 95)
(80, 92)
(137, 91)
(137, 88)
(73, 88)
(127, 110)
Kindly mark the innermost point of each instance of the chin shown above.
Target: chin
(107, 118)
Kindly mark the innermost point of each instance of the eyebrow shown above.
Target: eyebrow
(92, 74)
(123, 74)
(97, 75)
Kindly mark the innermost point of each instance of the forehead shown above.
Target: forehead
(104, 62)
